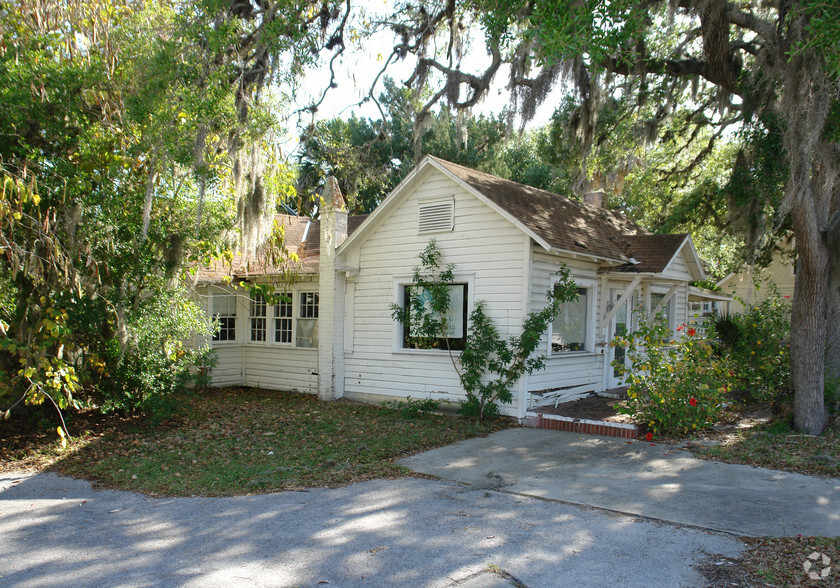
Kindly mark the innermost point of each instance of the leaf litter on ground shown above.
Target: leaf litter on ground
(242, 441)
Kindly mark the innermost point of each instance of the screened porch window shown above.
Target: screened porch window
(283, 321)
(307, 320)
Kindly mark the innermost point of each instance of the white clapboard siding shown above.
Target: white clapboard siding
(489, 253)
(682, 308)
(228, 370)
(581, 371)
(678, 268)
(281, 368)
(266, 365)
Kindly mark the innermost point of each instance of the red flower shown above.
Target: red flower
(649, 437)
(691, 332)
(693, 402)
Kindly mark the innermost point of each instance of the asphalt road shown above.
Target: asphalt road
(57, 531)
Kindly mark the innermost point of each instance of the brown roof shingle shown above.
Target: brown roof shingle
(651, 252)
(563, 223)
(295, 229)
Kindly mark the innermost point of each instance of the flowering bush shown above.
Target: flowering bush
(675, 386)
(755, 346)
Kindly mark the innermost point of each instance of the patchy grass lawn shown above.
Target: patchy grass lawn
(240, 441)
(778, 562)
(776, 446)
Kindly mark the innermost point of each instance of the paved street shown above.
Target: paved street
(57, 531)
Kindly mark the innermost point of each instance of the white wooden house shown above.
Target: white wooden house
(337, 337)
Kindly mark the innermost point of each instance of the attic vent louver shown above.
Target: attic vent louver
(436, 216)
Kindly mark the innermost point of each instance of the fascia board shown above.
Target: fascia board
(482, 198)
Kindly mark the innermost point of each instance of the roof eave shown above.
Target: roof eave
(592, 256)
(697, 262)
(384, 207)
(501, 211)
(709, 294)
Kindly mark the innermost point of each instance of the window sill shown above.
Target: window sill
(431, 352)
(262, 344)
(563, 354)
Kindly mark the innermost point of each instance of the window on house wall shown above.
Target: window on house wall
(283, 321)
(571, 325)
(257, 316)
(666, 313)
(224, 312)
(307, 320)
(455, 322)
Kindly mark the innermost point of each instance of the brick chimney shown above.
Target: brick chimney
(331, 294)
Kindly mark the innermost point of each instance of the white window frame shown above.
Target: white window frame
(400, 282)
(591, 287)
(277, 318)
(271, 319)
(297, 309)
(671, 306)
(234, 316)
(259, 299)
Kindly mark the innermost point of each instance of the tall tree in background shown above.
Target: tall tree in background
(774, 65)
(370, 157)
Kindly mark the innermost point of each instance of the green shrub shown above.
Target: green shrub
(755, 346)
(675, 386)
(156, 365)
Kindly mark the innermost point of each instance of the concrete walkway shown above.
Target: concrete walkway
(652, 480)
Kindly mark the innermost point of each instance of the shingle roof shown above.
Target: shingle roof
(295, 229)
(652, 252)
(563, 223)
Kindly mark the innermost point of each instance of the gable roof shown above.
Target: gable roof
(652, 253)
(303, 237)
(564, 224)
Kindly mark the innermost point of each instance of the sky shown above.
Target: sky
(358, 66)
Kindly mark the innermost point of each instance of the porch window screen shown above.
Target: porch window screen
(307, 322)
(455, 320)
(224, 311)
(258, 318)
(283, 322)
(568, 331)
(665, 315)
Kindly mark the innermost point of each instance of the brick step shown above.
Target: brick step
(577, 425)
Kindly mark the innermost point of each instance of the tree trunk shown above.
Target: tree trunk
(832, 347)
(808, 324)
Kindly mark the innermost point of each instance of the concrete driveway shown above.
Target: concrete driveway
(57, 531)
(653, 480)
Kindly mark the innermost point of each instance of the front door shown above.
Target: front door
(620, 326)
